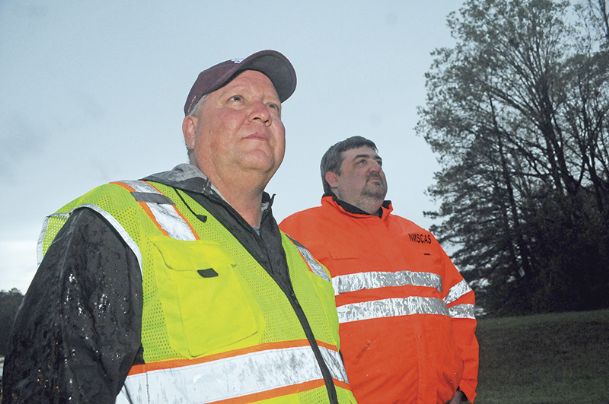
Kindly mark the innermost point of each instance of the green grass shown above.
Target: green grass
(546, 358)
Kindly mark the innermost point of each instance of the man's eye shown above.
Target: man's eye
(236, 98)
(274, 106)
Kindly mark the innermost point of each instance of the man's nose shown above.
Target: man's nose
(376, 167)
(260, 112)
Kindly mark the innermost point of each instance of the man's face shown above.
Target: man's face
(361, 177)
(238, 129)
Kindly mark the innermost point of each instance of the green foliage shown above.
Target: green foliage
(9, 304)
(518, 112)
(549, 358)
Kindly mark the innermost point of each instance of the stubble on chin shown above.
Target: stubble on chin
(377, 192)
(375, 188)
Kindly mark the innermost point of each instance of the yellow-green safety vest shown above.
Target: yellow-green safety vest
(215, 326)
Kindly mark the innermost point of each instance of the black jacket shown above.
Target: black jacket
(77, 333)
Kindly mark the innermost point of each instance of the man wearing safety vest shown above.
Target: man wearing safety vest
(406, 315)
(180, 288)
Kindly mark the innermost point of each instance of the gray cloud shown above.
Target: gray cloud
(19, 141)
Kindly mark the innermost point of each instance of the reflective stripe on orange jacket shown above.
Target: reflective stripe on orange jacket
(406, 314)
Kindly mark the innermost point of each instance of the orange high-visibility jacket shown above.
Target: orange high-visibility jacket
(406, 314)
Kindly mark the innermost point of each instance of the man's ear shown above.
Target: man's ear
(189, 125)
(331, 179)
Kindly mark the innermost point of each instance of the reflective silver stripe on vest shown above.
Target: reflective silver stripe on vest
(229, 378)
(165, 214)
(403, 306)
(312, 262)
(335, 364)
(457, 291)
(373, 280)
(462, 311)
(43, 233)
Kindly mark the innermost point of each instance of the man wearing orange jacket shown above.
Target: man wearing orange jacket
(406, 314)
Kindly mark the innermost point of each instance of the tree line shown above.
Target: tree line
(516, 112)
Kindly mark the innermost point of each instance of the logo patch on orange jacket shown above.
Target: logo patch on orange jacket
(420, 238)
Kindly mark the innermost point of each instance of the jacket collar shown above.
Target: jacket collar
(332, 200)
(189, 177)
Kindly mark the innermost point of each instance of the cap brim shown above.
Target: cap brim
(269, 62)
(276, 67)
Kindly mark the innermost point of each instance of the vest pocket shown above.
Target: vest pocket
(204, 305)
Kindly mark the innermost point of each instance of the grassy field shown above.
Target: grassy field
(548, 358)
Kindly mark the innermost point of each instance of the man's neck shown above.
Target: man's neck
(361, 208)
(248, 206)
(241, 189)
(368, 204)
(246, 199)
(370, 207)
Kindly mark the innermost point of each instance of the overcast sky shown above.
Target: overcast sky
(92, 92)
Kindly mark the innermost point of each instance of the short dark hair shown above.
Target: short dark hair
(333, 158)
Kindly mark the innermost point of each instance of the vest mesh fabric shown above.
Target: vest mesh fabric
(263, 305)
(260, 289)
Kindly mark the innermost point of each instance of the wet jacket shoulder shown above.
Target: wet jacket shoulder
(78, 330)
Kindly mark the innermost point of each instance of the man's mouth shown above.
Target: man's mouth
(257, 136)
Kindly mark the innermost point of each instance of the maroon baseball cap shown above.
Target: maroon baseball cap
(272, 63)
